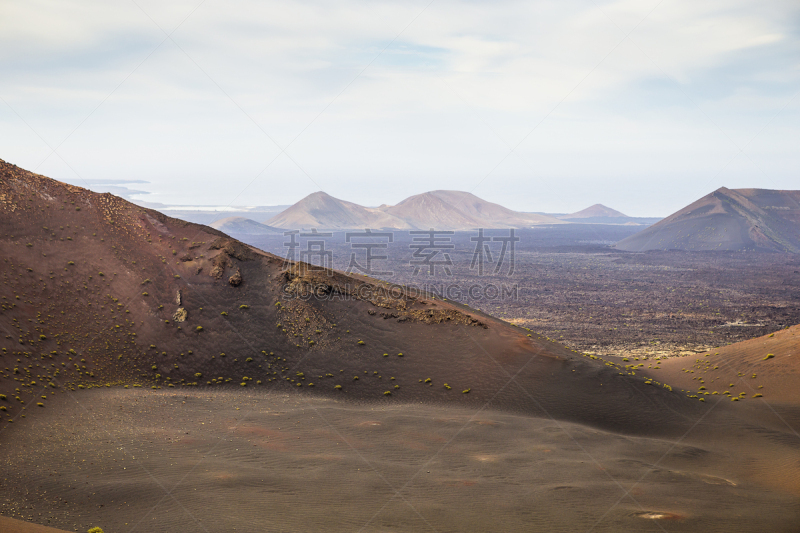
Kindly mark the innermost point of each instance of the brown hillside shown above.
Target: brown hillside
(99, 292)
(270, 408)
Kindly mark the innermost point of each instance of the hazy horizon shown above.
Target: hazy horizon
(140, 197)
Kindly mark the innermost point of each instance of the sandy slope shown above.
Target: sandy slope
(768, 366)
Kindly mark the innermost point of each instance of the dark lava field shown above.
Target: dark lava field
(573, 287)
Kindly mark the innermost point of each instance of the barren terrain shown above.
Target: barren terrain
(206, 460)
(574, 288)
(157, 375)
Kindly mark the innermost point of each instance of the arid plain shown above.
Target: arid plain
(570, 285)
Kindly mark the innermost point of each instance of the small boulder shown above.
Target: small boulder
(236, 279)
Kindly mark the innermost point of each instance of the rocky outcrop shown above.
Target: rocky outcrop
(180, 315)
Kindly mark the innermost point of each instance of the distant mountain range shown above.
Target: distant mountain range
(462, 210)
(243, 226)
(727, 219)
(597, 211)
(600, 214)
(210, 214)
(447, 210)
(323, 211)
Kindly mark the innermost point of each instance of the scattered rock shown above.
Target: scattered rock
(219, 263)
(180, 315)
(233, 248)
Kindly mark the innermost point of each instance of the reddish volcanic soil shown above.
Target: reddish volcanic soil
(158, 375)
(99, 292)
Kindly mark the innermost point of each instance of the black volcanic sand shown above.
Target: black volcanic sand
(246, 460)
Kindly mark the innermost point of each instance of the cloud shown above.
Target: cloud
(378, 100)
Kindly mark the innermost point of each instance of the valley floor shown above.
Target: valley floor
(231, 460)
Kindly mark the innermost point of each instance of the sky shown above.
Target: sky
(547, 106)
